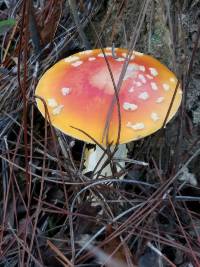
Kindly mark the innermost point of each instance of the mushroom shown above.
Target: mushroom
(78, 91)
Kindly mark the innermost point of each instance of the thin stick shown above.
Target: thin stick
(74, 9)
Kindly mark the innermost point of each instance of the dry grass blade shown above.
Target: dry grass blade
(65, 261)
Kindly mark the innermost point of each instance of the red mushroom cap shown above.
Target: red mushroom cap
(78, 91)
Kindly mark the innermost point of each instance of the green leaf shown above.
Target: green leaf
(5, 25)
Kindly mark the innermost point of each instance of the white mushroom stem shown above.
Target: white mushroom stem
(93, 156)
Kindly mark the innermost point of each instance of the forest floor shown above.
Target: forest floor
(50, 213)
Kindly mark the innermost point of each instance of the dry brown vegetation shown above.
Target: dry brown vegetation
(48, 213)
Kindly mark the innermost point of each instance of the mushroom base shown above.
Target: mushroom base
(97, 156)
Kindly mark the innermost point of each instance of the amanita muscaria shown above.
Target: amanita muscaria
(78, 91)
